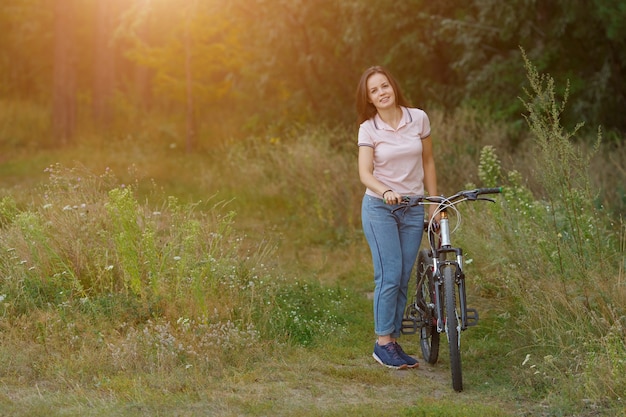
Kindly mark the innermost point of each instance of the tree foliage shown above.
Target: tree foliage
(575, 40)
(160, 31)
(263, 63)
(24, 40)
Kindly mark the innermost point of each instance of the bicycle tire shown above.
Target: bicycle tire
(425, 298)
(452, 327)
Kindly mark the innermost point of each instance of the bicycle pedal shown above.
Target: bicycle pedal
(472, 316)
(409, 326)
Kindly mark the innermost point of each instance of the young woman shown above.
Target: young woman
(395, 162)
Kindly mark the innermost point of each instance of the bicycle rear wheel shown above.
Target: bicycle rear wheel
(453, 327)
(425, 300)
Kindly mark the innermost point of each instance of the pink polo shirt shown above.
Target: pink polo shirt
(397, 152)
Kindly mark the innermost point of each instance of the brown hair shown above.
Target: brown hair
(366, 110)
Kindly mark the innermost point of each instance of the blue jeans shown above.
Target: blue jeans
(394, 239)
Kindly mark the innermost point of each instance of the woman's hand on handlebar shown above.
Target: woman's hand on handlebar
(391, 197)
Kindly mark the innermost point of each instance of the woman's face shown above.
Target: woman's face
(380, 92)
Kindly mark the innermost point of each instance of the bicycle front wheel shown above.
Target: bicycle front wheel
(453, 328)
(425, 299)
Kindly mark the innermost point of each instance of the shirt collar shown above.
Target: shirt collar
(379, 124)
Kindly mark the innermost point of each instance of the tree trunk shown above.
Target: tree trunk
(189, 81)
(142, 76)
(104, 70)
(64, 79)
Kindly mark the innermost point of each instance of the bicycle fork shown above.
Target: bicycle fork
(439, 296)
(469, 316)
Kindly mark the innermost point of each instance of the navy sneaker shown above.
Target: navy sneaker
(388, 356)
(411, 362)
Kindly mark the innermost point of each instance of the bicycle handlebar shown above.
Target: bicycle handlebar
(471, 195)
(444, 203)
(467, 194)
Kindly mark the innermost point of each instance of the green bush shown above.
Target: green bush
(173, 278)
(558, 259)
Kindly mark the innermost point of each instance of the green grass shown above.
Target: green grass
(141, 280)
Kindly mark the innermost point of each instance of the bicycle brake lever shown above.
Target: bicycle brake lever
(491, 200)
(403, 204)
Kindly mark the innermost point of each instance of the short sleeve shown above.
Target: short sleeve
(365, 137)
(425, 125)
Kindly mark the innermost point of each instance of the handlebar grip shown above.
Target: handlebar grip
(489, 190)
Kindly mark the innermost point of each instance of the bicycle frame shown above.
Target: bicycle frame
(440, 288)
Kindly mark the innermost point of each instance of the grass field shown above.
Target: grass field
(140, 280)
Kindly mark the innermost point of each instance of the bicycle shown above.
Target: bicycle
(439, 284)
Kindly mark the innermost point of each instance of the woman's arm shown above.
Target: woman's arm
(430, 173)
(366, 174)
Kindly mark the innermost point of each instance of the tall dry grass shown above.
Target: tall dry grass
(558, 255)
(98, 281)
(178, 266)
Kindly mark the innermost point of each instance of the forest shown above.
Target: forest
(180, 228)
(217, 68)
